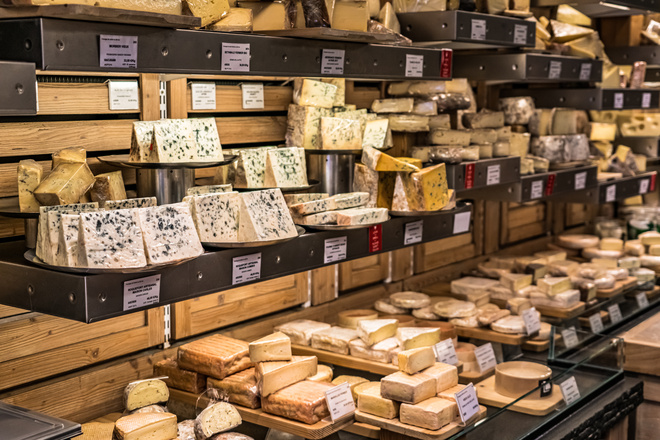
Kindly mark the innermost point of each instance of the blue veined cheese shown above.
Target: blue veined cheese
(312, 207)
(264, 216)
(140, 202)
(216, 216)
(379, 161)
(46, 249)
(67, 243)
(141, 141)
(395, 105)
(169, 233)
(111, 239)
(350, 200)
(341, 134)
(366, 180)
(308, 92)
(409, 123)
(284, 168)
(207, 140)
(29, 177)
(375, 133)
(340, 96)
(208, 189)
(173, 142)
(251, 168)
(303, 160)
(294, 199)
(321, 218)
(424, 190)
(361, 216)
(304, 126)
(360, 115)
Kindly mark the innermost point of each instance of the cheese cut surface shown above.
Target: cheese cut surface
(216, 356)
(380, 161)
(375, 330)
(321, 218)
(179, 378)
(236, 20)
(219, 417)
(303, 401)
(350, 318)
(416, 337)
(408, 123)
(49, 227)
(362, 216)
(334, 339)
(251, 168)
(308, 92)
(30, 174)
(209, 11)
(446, 375)
(284, 168)
(323, 374)
(216, 216)
(240, 388)
(274, 347)
(108, 186)
(205, 136)
(295, 199)
(151, 426)
(424, 190)
(341, 134)
(371, 401)
(169, 233)
(69, 155)
(516, 281)
(382, 351)
(433, 413)
(264, 216)
(366, 180)
(375, 133)
(66, 184)
(67, 242)
(141, 141)
(352, 381)
(444, 136)
(450, 393)
(144, 393)
(300, 331)
(416, 359)
(304, 126)
(551, 286)
(403, 387)
(174, 142)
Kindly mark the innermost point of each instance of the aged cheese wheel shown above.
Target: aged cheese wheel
(410, 300)
(350, 318)
(455, 309)
(600, 253)
(578, 241)
(384, 306)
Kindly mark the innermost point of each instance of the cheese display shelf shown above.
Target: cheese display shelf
(335, 35)
(312, 183)
(614, 190)
(485, 334)
(591, 98)
(16, 99)
(194, 51)
(252, 244)
(342, 227)
(123, 161)
(526, 67)
(598, 8)
(630, 54)
(469, 179)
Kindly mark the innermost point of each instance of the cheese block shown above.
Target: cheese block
(541, 165)
(467, 321)
(300, 331)
(303, 401)
(352, 381)
(440, 121)
(568, 121)
(236, 20)
(501, 149)
(611, 244)
(217, 356)
(489, 313)
(341, 134)
(375, 133)
(410, 300)
(562, 268)
(141, 202)
(264, 216)
(470, 285)
(152, 426)
(30, 174)
(634, 247)
(446, 375)
(650, 261)
(295, 199)
(433, 413)
(338, 201)
(274, 347)
(169, 233)
(108, 186)
(334, 339)
(483, 136)
(577, 241)
(216, 418)
(67, 241)
(308, 92)
(206, 138)
(49, 228)
(526, 166)
(551, 286)
(267, 16)
(69, 155)
(592, 253)
(379, 161)
(251, 168)
(396, 105)
(518, 305)
(425, 108)
(416, 337)
(424, 190)
(629, 263)
(208, 189)
(304, 126)
(273, 376)
(450, 393)
(350, 15)
(284, 168)
(65, 184)
(350, 318)
(567, 14)
(372, 331)
(517, 110)
(362, 216)
(186, 430)
(465, 352)
(387, 17)
(111, 239)
(649, 238)
(371, 401)
(321, 218)
(563, 32)
(96, 431)
(216, 216)
(173, 141)
(240, 388)
(403, 387)
(455, 309)
(483, 119)
(145, 392)
(450, 137)
(519, 145)
(379, 352)
(408, 123)
(176, 377)
(323, 374)
(601, 131)
(416, 359)
(559, 149)
(654, 250)
(644, 275)
(515, 281)
(209, 11)
(141, 141)
(550, 256)
(562, 300)
(366, 180)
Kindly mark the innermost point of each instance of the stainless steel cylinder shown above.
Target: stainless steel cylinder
(333, 171)
(167, 185)
(31, 227)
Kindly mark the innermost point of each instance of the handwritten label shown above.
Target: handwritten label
(203, 95)
(570, 337)
(332, 61)
(570, 390)
(646, 100)
(118, 51)
(610, 193)
(532, 321)
(642, 300)
(493, 175)
(478, 30)
(141, 292)
(485, 357)
(615, 313)
(520, 34)
(413, 232)
(585, 71)
(644, 186)
(554, 72)
(246, 268)
(468, 404)
(618, 100)
(462, 222)
(414, 65)
(376, 238)
(581, 180)
(596, 323)
(235, 57)
(340, 401)
(446, 352)
(335, 249)
(253, 95)
(537, 190)
(123, 95)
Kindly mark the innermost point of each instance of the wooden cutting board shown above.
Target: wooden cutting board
(642, 347)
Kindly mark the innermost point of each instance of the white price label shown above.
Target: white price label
(446, 352)
(581, 180)
(493, 175)
(642, 300)
(570, 390)
(141, 292)
(610, 193)
(585, 71)
(646, 100)
(618, 100)
(413, 232)
(644, 186)
(596, 323)
(537, 190)
(246, 268)
(332, 61)
(253, 95)
(554, 72)
(414, 65)
(485, 357)
(478, 30)
(468, 404)
(532, 321)
(615, 313)
(235, 57)
(118, 51)
(520, 34)
(340, 401)
(123, 95)
(570, 337)
(203, 95)
(462, 222)
(335, 249)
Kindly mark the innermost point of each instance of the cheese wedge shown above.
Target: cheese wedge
(403, 387)
(324, 373)
(352, 381)
(433, 413)
(416, 337)
(379, 161)
(372, 331)
(416, 359)
(371, 401)
(29, 177)
(273, 376)
(551, 286)
(274, 347)
(145, 392)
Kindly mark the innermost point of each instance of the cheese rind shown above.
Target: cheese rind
(274, 347)
(407, 123)
(263, 215)
(217, 356)
(416, 359)
(334, 339)
(361, 216)
(551, 286)
(372, 331)
(443, 136)
(179, 378)
(382, 351)
(145, 392)
(410, 300)
(446, 376)
(30, 174)
(219, 417)
(304, 401)
(371, 401)
(516, 281)
(396, 105)
(152, 426)
(108, 186)
(403, 387)
(308, 92)
(416, 337)
(433, 413)
(240, 388)
(323, 374)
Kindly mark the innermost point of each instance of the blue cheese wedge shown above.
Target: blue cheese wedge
(341, 134)
(29, 177)
(340, 95)
(169, 233)
(338, 201)
(48, 231)
(251, 168)
(308, 92)
(140, 202)
(321, 218)
(375, 133)
(366, 180)
(207, 140)
(67, 243)
(264, 216)
(361, 216)
(174, 142)
(208, 189)
(111, 239)
(141, 141)
(304, 126)
(284, 168)
(295, 199)
(216, 216)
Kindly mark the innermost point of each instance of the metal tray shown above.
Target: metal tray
(251, 244)
(342, 227)
(122, 161)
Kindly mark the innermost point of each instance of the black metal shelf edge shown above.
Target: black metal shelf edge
(469, 177)
(590, 98)
(18, 94)
(613, 190)
(630, 54)
(600, 9)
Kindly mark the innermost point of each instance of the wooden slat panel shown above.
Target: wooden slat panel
(11, 227)
(443, 252)
(229, 99)
(648, 421)
(6, 311)
(526, 231)
(402, 263)
(324, 284)
(525, 215)
(244, 130)
(362, 97)
(362, 272)
(176, 99)
(75, 99)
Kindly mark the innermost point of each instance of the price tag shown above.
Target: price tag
(203, 95)
(596, 323)
(646, 100)
(653, 182)
(554, 72)
(123, 95)
(585, 71)
(118, 51)
(414, 65)
(642, 300)
(485, 357)
(445, 63)
(644, 186)
(550, 186)
(332, 61)
(478, 30)
(532, 321)
(253, 95)
(340, 401)
(462, 222)
(376, 238)
(469, 176)
(615, 313)
(610, 193)
(413, 232)
(235, 57)
(570, 390)
(493, 175)
(246, 268)
(468, 405)
(335, 249)
(618, 100)
(581, 180)
(445, 352)
(141, 292)
(520, 34)
(537, 190)
(570, 337)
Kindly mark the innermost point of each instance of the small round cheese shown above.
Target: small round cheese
(350, 318)
(384, 306)
(425, 313)
(410, 300)
(577, 241)
(600, 253)
(455, 309)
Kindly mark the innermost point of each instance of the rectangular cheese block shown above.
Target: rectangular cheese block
(69, 155)
(501, 149)
(108, 186)
(395, 105)
(152, 426)
(308, 92)
(446, 376)
(379, 352)
(274, 347)
(264, 215)
(30, 174)
(471, 285)
(408, 388)
(416, 337)
(66, 184)
(173, 142)
(208, 189)
(450, 393)
(303, 401)
(362, 216)
(273, 376)
(516, 281)
(433, 413)
(425, 190)
(284, 168)
(216, 356)
(300, 331)
(240, 388)
(141, 202)
(209, 11)
(649, 238)
(551, 286)
(483, 136)
(341, 134)
(443, 136)
(267, 16)
(236, 20)
(439, 121)
(569, 121)
(408, 123)
(169, 233)
(416, 359)
(371, 401)
(334, 339)
(483, 119)
(372, 331)
(141, 141)
(375, 133)
(340, 95)
(561, 300)
(179, 378)
(425, 108)
(602, 131)
(560, 149)
(295, 199)
(304, 126)
(611, 244)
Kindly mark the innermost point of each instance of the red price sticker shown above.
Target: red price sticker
(445, 63)
(376, 238)
(469, 176)
(550, 185)
(653, 182)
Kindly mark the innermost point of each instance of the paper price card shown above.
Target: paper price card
(414, 65)
(413, 232)
(570, 337)
(485, 357)
(118, 51)
(570, 390)
(462, 222)
(554, 72)
(537, 190)
(203, 95)
(235, 57)
(335, 249)
(615, 313)
(596, 323)
(123, 95)
(644, 186)
(610, 193)
(642, 300)
(246, 268)
(618, 100)
(585, 71)
(493, 175)
(478, 30)
(520, 34)
(468, 404)
(646, 100)
(532, 321)
(253, 95)
(445, 352)
(340, 401)
(332, 61)
(141, 292)
(581, 180)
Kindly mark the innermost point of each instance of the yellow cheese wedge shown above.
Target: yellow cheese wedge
(209, 11)
(379, 161)
(69, 155)
(274, 347)
(29, 178)
(416, 359)
(236, 20)
(371, 401)
(567, 14)
(65, 185)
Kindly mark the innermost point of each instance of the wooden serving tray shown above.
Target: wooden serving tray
(619, 287)
(486, 334)
(394, 425)
(650, 294)
(562, 313)
(468, 377)
(532, 406)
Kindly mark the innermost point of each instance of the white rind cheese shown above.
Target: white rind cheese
(219, 417)
(372, 331)
(300, 331)
(274, 347)
(152, 426)
(334, 339)
(362, 216)
(273, 376)
(208, 189)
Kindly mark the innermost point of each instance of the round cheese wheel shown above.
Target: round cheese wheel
(350, 318)
(467, 322)
(410, 300)
(455, 309)
(465, 352)
(600, 253)
(425, 313)
(384, 306)
(578, 241)
(650, 261)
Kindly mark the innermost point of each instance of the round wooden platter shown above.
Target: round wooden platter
(529, 405)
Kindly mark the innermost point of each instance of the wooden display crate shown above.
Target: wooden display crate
(521, 222)
(364, 271)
